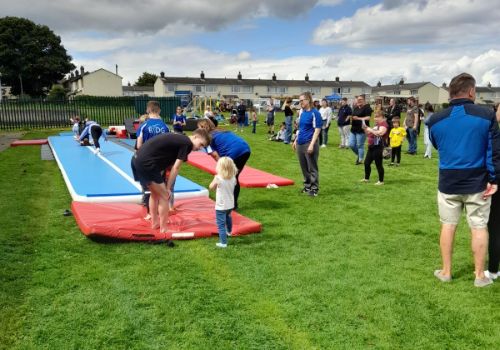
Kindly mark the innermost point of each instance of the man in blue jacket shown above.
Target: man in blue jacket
(468, 140)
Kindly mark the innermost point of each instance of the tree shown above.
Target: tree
(146, 79)
(57, 93)
(31, 56)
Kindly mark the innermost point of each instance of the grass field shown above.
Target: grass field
(351, 268)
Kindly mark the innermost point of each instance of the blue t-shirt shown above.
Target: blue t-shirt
(150, 128)
(309, 121)
(178, 118)
(227, 144)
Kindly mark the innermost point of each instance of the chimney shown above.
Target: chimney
(128, 83)
(72, 74)
(162, 74)
(379, 84)
(307, 77)
(202, 75)
(274, 77)
(443, 86)
(116, 69)
(77, 73)
(240, 76)
(402, 81)
(337, 79)
(82, 70)
(489, 85)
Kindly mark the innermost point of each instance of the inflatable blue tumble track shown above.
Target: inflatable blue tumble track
(106, 177)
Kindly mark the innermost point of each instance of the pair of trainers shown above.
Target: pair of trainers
(378, 183)
(478, 282)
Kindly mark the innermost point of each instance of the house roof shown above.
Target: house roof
(266, 82)
(406, 86)
(485, 89)
(79, 76)
(138, 88)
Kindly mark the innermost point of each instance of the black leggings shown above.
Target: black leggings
(240, 163)
(494, 234)
(374, 153)
(96, 132)
(396, 154)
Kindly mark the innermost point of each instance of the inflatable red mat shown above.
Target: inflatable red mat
(250, 177)
(194, 218)
(29, 142)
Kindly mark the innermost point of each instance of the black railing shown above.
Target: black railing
(42, 113)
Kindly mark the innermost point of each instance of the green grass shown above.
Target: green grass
(351, 268)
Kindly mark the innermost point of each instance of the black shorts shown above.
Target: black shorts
(146, 176)
(270, 121)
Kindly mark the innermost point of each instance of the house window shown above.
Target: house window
(211, 88)
(346, 90)
(171, 87)
(313, 90)
(199, 88)
(235, 88)
(277, 90)
(414, 92)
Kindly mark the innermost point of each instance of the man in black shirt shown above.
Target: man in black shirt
(392, 112)
(361, 114)
(165, 151)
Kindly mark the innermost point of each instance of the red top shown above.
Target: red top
(374, 140)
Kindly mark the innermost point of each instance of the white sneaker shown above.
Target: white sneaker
(323, 146)
(221, 245)
(379, 183)
(491, 275)
(229, 234)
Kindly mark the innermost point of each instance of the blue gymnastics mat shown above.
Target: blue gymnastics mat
(106, 177)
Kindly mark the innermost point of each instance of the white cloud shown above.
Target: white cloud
(151, 15)
(329, 2)
(244, 55)
(402, 22)
(436, 66)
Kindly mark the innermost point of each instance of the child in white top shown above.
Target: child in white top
(224, 181)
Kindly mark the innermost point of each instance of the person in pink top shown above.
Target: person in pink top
(376, 141)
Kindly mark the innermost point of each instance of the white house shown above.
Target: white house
(100, 82)
(250, 89)
(424, 92)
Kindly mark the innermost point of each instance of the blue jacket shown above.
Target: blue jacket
(468, 141)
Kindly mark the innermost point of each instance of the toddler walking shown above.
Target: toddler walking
(397, 137)
(224, 183)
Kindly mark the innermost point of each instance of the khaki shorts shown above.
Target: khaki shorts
(477, 209)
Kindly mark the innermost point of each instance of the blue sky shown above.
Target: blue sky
(418, 40)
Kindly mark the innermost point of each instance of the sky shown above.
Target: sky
(371, 41)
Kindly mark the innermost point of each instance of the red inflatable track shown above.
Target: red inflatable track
(29, 142)
(194, 218)
(250, 177)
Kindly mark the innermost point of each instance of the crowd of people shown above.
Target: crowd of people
(465, 135)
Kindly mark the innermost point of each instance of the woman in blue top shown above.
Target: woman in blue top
(227, 144)
(306, 143)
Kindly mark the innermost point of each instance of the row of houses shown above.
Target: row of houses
(102, 82)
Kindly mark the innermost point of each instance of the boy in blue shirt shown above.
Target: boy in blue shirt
(179, 121)
(153, 126)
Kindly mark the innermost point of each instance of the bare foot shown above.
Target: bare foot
(172, 211)
(155, 225)
(147, 217)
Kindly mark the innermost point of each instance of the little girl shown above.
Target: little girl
(224, 182)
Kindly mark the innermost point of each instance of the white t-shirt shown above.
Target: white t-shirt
(224, 196)
(326, 115)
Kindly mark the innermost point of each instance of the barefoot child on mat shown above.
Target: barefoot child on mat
(162, 152)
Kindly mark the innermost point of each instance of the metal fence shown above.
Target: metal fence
(42, 113)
